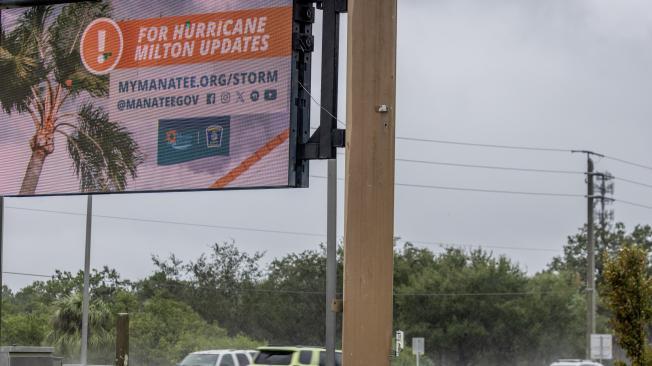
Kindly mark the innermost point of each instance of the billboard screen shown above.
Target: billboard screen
(141, 95)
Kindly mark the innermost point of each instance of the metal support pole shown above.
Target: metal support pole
(330, 73)
(331, 263)
(87, 270)
(590, 275)
(329, 95)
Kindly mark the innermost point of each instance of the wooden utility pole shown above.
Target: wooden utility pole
(590, 272)
(590, 249)
(122, 340)
(369, 207)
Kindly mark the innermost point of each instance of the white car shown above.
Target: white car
(222, 357)
(575, 363)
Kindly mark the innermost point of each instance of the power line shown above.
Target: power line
(482, 190)
(495, 146)
(633, 204)
(396, 294)
(246, 290)
(498, 191)
(517, 147)
(25, 274)
(531, 170)
(495, 167)
(444, 245)
(307, 292)
(634, 182)
(643, 166)
(472, 294)
(226, 227)
(136, 219)
(508, 168)
(318, 103)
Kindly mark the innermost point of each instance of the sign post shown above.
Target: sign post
(329, 94)
(87, 272)
(122, 340)
(601, 347)
(418, 347)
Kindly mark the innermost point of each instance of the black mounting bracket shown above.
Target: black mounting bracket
(341, 6)
(303, 45)
(323, 143)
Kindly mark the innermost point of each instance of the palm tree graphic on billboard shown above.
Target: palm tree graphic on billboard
(42, 74)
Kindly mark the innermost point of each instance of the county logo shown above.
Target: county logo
(187, 139)
(179, 141)
(214, 136)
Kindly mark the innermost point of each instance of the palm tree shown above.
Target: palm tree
(42, 73)
(65, 335)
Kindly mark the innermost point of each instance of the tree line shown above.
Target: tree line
(472, 307)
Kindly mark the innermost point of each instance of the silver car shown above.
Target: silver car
(223, 357)
(575, 363)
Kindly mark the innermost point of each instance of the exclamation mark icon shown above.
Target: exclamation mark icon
(101, 44)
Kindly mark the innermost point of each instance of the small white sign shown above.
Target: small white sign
(418, 346)
(400, 342)
(601, 346)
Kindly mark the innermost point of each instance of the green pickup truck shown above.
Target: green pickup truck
(293, 356)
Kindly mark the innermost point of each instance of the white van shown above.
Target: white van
(223, 357)
(575, 363)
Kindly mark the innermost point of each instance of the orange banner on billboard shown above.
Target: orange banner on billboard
(200, 38)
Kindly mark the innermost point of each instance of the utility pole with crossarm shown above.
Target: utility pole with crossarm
(590, 249)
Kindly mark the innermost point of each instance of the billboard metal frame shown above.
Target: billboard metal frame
(303, 44)
(324, 142)
(328, 137)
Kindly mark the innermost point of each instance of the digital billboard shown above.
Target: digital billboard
(142, 95)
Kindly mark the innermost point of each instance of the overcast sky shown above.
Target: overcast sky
(554, 73)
